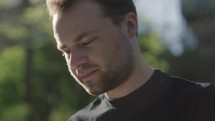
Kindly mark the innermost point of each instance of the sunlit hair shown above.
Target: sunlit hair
(115, 9)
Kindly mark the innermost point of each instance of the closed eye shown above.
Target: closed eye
(88, 41)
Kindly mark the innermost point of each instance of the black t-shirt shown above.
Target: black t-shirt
(161, 98)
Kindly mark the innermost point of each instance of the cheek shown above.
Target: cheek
(67, 64)
(72, 71)
(105, 49)
(106, 56)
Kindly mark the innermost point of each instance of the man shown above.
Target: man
(99, 41)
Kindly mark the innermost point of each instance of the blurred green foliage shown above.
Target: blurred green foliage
(153, 51)
(11, 86)
(35, 84)
(49, 93)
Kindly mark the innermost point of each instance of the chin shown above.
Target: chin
(94, 92)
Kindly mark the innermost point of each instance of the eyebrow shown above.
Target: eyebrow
(78, 38)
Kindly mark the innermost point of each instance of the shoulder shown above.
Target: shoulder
(90, 111)
(190, 90)
(201, 104)
(182, 85)
(195, 101)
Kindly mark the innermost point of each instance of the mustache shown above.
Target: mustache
(82, 68)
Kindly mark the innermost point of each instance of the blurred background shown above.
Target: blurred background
(176, 36)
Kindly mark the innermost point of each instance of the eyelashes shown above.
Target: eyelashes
(88, 41)
(84, 43)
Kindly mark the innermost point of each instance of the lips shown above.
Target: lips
(87, 75)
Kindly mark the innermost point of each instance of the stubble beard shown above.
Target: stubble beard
(120, 66)
(116, 71)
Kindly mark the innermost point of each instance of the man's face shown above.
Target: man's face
(98, 53)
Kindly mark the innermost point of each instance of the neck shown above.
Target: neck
(141, 74)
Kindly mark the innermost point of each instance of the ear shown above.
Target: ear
(131, 25)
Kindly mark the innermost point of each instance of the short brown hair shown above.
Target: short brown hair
(115, 9)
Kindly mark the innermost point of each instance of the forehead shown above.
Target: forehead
(84, 13)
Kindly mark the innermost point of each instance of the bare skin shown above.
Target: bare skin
(101, 56)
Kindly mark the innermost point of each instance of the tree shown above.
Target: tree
(34, 81)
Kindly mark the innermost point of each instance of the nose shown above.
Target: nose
(76, 59)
